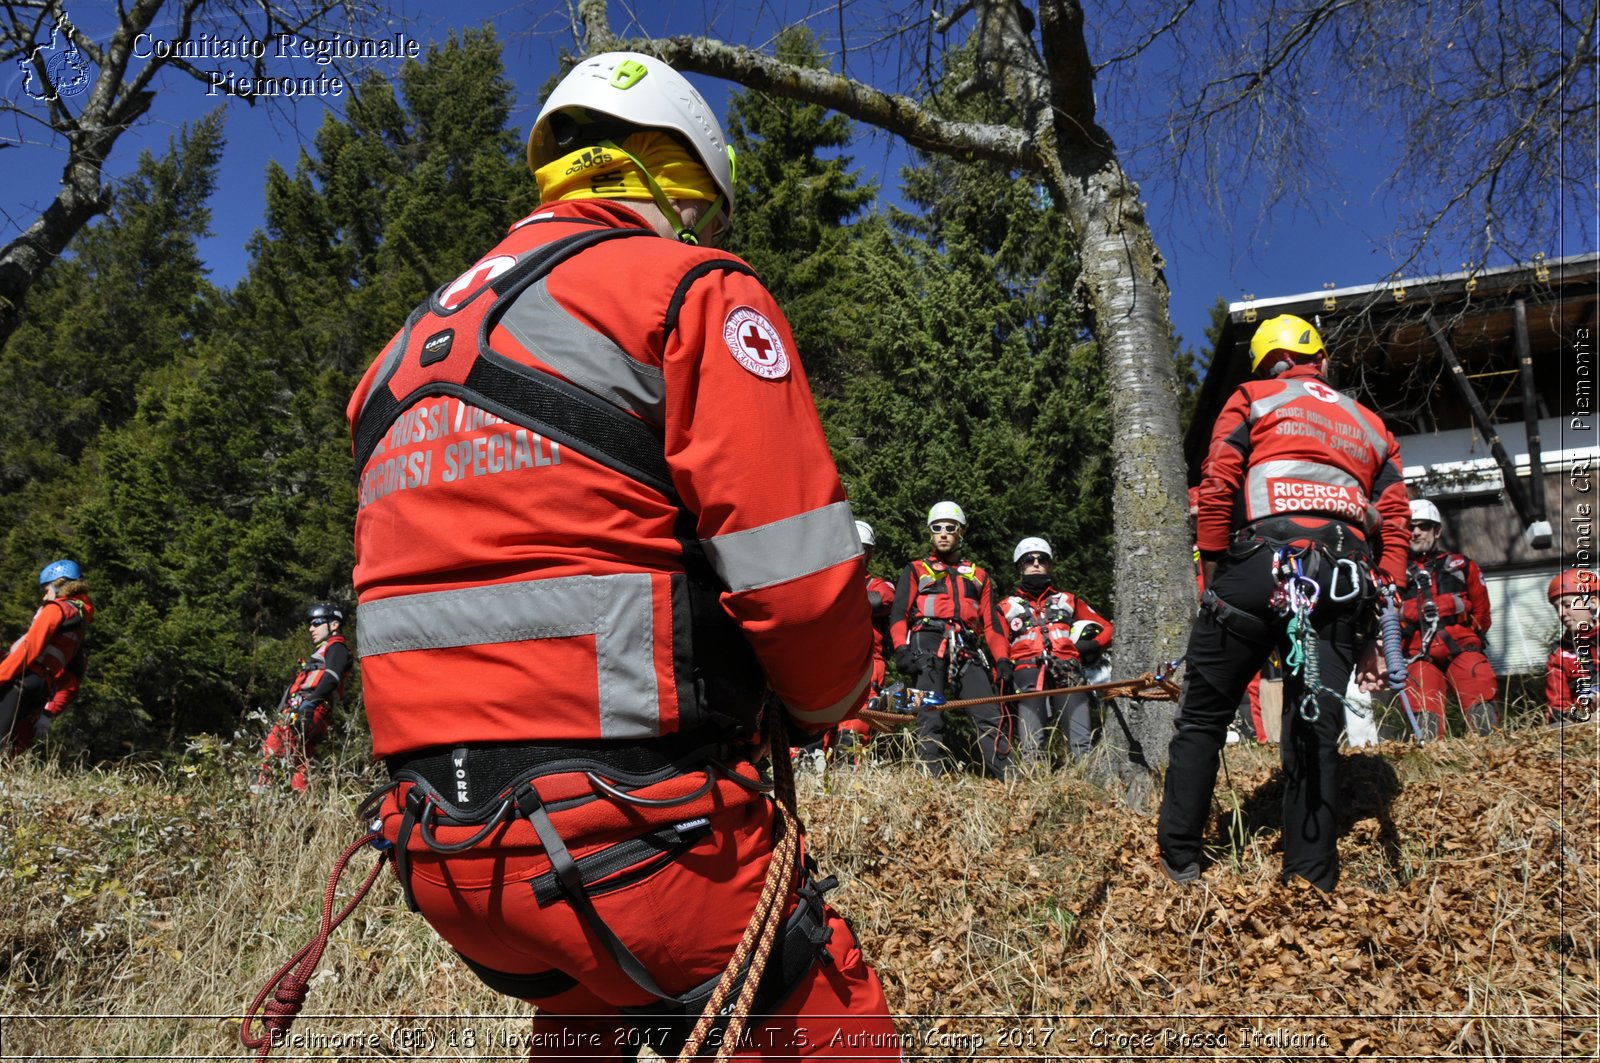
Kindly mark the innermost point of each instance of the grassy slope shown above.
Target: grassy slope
(1466, 923)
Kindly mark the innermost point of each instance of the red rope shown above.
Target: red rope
(289, 984)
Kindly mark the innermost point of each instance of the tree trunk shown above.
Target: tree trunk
(1127, 297)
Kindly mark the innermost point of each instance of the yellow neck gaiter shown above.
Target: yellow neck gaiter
(605, 173)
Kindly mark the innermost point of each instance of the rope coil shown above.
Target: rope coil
(289, 985)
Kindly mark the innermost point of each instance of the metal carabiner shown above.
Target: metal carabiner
(1341, 565)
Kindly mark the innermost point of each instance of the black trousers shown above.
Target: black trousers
(994, 743)
(1224, 653)
(20, 705)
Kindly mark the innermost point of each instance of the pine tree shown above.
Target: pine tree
(979, 385)
(218, 501)
(798, 195)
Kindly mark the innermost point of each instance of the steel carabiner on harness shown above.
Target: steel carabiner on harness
(1345, 564)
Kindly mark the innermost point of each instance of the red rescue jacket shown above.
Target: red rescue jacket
(514, 583)
(931, 593)
(1571, 680)
(322, 676)
(880, 598)
(1454, 585)
(53, 647)
(1293, 446)
(1041, 625)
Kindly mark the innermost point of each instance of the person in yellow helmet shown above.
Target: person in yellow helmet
(1301, 499)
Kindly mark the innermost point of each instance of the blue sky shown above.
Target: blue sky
(1340, 239)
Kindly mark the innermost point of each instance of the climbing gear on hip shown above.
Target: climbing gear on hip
(1295, 598)
(1394, 655)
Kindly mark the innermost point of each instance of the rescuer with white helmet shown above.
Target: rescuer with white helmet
(579, 579)
(1055, 636)
(1444, 616)
(949, 639)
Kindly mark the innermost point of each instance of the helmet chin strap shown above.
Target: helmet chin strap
(685, 233)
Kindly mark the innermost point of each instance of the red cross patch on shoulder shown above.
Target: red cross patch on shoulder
(1318, 390)
(755, 343)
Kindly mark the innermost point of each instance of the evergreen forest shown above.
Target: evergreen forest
(186, 442)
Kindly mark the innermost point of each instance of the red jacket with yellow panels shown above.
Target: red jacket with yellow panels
(516, 584)
(1293, 446)
(932, 592)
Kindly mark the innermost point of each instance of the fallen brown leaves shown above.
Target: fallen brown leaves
(1465, 922)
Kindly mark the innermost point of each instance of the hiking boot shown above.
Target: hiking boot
(1183, 876)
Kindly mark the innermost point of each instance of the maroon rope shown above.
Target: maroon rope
(289, 984)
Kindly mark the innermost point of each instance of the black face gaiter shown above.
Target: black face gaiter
(1034, 582)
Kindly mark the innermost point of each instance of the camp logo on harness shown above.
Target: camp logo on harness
(473, 279)
(755, 343)
(1318, 390)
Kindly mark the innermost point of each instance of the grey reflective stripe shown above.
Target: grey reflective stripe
(584, 356)
(616, 610)
(785, 549)
(390, 360)
(1259, 499)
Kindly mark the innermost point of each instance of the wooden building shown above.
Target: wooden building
(1488, 380)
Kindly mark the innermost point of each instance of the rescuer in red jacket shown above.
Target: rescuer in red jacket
(949, 639)
(852, 735)
(1571, 677)
(1301, 496)
(1444, 615)
(1055, 637)
(306, 708)
(579, 575)
(44, 668)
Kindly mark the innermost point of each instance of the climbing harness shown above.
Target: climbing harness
(730, 997)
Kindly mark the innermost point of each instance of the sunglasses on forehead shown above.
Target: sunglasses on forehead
(945, 529)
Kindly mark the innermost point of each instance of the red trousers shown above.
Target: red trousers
(1469, 673)
(683, 920)
(286, 743)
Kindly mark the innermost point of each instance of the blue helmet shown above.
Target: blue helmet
(64, 569)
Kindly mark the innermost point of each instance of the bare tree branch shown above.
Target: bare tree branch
(118, 97)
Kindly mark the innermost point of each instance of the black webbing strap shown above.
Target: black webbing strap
(1235, 620)
(536, 986)
(520, 393)
(571, 879)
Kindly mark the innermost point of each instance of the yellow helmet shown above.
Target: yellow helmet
(1284, 333)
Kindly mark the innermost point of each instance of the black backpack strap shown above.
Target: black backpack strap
(522, 394)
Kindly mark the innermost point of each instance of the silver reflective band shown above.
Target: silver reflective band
(584, 356)
(785, 549)
(616, 610)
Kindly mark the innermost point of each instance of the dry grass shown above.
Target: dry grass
(140, 912)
